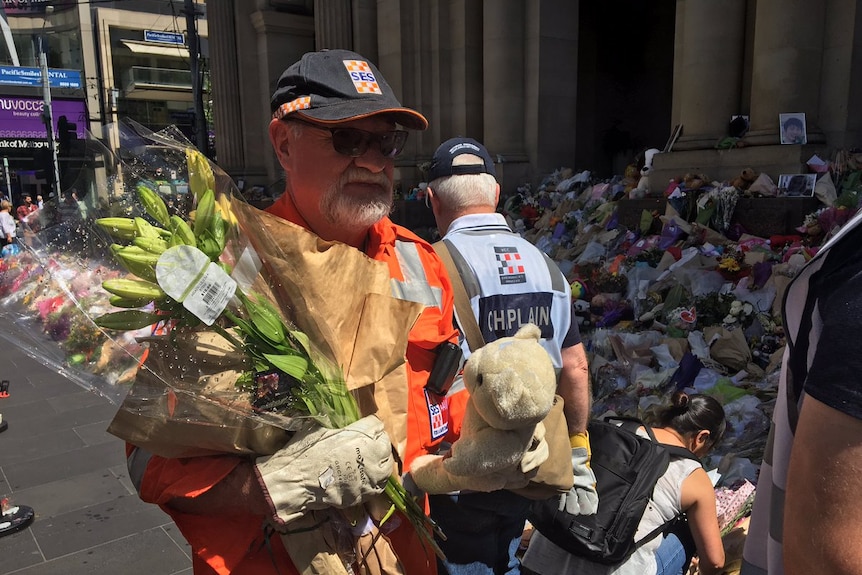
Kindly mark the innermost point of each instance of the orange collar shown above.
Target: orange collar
(380, 235)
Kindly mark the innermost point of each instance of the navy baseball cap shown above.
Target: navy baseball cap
(332, 86)
(441, 164)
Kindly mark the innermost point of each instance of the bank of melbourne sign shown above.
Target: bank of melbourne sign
(23, 76)
(21, 124)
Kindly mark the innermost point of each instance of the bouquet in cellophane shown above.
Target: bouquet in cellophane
(50, 282)
(237, 326)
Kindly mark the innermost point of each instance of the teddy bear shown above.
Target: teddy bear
(744, 180)
(630, 178)
(694, 181)
(511, 384)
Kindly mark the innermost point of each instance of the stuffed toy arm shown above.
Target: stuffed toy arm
(537, 453)
(486, 461)
(430, 475)
(488, 451)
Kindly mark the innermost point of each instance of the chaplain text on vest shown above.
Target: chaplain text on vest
(502, 315)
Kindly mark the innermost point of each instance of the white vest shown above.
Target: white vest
(510, 282)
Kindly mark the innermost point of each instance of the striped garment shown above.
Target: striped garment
(803, 325)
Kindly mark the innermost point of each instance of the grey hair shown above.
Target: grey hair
(466, 190)
(294, 127)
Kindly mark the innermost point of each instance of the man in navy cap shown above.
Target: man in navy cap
(335, 129)
(509, 282)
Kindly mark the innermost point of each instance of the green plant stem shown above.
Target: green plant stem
(228, 336)
(403, 502)
(332, 398)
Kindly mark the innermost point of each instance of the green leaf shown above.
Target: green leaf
(301, 339)
(127, 320)
(265, 321)
(292, 365)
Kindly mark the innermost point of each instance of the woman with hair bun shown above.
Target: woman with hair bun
(695, 422)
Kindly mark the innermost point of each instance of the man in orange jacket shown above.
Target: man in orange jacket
(334, 132)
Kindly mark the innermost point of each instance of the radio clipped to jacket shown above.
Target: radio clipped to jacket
(445, 368)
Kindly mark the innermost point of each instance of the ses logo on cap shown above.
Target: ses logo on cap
(362, 76)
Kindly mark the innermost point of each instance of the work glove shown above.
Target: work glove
(323, 468)
(582, 498)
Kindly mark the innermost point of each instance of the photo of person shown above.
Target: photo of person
(793, 128)
(796, 185)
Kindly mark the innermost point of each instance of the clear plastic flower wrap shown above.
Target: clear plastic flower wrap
(223, 328)
(50, 286)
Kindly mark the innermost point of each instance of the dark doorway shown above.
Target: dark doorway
(625, 78)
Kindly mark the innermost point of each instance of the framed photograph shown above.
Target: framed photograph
(738, 126)
(796, 185)
(793, 130)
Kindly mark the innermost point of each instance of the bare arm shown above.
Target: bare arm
(574, 388)
(822, 509)
(698, 501)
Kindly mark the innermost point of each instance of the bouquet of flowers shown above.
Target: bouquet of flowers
(732, 504)
(50, 288)
(249, 335)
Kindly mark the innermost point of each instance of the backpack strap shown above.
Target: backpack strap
(632, 424)
(466, 320)
(678, 451)
(674, 451)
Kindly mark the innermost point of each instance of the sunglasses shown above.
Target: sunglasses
(354, 142)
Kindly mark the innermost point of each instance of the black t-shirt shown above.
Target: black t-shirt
(835, 377)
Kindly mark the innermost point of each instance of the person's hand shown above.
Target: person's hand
(410, 485)
(326, 468)
(693, 568)
(582, 498)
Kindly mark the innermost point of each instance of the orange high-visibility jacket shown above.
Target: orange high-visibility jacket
(236, 544)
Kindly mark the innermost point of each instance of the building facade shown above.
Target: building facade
(105, 62)
(561, 83)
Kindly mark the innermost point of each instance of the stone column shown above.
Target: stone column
(333, 26)
(504, 77)
(711, 67)
(551, 93)
(225, 85)
(365, 28)
(281, 40)
(786, 78)
(461, 68)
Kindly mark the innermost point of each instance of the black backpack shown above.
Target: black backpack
(627, 467)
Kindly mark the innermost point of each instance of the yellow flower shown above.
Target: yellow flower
(730, 264)
(223, 207)
(201, 176)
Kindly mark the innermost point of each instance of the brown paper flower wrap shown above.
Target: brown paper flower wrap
(358, 324)
(310, 335)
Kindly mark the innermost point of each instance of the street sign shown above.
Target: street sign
(164, 37)
(23, 76)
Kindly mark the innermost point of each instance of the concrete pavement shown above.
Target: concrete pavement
(57, 458)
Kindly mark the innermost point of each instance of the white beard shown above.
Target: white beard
(356, 212)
